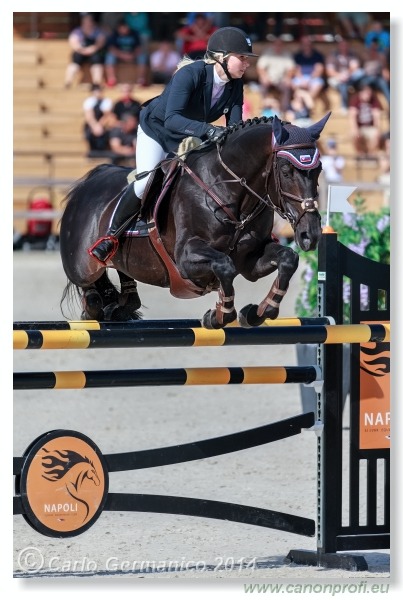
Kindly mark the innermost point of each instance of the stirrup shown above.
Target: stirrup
(111, 254)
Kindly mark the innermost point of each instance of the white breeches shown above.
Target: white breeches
(148, 154)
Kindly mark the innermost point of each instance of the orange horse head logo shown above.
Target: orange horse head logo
(64, 483)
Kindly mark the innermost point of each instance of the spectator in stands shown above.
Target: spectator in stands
(271, 105)
(164, 24)
(139, 22)
(163, 62)
(300, 108)
(376, 70)
(274, 72)
(385, 142)
(353, 24)
(309, 72)
(365, 121)
(123, 46)
(219, 19)
(377, 33)
(255, 25)
(343, 69)
(126, 103)
(97, 119)
(109, 21)
(192, 16)
(123, 139)
(192, 39)
(384, 167)
(333, 165)
(247, 110)
(88, 44)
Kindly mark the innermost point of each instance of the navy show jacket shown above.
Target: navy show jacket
(183, 109)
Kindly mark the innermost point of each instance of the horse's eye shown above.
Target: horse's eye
(286, 170)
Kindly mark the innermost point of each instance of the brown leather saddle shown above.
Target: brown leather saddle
(156, 196)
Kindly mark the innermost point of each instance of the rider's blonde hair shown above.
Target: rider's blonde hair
(209, 58)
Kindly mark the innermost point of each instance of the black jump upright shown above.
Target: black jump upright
(343, 524)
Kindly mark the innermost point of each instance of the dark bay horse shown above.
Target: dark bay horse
(213, 224)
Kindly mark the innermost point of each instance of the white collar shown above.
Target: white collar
(218, 82)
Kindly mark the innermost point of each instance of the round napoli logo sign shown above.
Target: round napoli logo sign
(63, 483)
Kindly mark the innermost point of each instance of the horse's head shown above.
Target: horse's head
(296, 167)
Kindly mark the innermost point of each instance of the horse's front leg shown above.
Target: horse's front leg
(285, 260)
(201, 263)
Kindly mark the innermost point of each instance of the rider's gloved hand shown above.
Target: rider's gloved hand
(215, 133)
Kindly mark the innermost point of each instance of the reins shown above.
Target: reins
(239, 224)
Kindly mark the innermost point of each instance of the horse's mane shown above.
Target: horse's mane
(248, 123)
(241, 126)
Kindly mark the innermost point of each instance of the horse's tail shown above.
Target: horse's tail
(96, 179)
(72, 193)
(72, 296)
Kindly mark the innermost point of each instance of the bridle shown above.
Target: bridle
(307, 204)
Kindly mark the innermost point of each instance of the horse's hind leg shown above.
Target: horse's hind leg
(125, 306)
(96, 297)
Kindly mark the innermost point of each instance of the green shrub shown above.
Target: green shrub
(366, 233)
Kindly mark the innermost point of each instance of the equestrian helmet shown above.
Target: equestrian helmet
(230, 40)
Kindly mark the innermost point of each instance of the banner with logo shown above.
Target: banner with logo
(374, 395)
(64, 483)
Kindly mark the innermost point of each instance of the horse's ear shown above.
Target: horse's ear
(316, 129)
(280, 133)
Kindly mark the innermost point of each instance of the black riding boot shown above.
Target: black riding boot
(128, 205)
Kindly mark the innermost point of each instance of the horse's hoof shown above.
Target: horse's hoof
(207, 320)
(248, 316)
(272, 313)
(115, 312)
(92, 305)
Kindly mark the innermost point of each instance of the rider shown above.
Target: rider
(199, 93)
